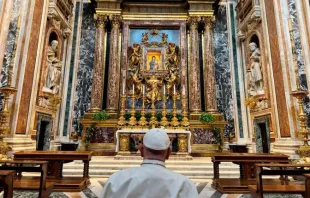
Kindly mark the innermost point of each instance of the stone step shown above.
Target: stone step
(107, 173)
(169, 166)
(138, 162)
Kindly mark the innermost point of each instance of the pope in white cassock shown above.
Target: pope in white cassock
(152, 179)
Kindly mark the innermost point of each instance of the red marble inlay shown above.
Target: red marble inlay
(277, 70)
(29, 70)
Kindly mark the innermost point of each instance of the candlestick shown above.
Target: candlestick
(153, 121)
(122, 120)
(164, 121)
(143, 121)
(174, 89)
(165, 90)
(174, 122)
(133, 120)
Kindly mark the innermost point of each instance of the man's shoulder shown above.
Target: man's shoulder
(124, 173)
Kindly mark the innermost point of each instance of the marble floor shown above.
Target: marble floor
(93, 191)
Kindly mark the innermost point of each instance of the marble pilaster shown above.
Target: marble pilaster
(208, 73)
(98, 75)
(194, 67)
(114, 67)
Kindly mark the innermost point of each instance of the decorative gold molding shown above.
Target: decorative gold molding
(201, 13)
(154, 16)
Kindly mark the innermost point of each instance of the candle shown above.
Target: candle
(143, 90)
(164, 89)
(183, 91)
(290, 24)
(133, 89)
(174, 89)
(123, 88)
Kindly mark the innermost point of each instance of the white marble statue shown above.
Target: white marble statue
(255, 74)
(53, 69)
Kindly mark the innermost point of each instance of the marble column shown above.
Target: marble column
(194, 68)
(114, 67)
(99, 66)
(208, 64)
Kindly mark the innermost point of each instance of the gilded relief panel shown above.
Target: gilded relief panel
(154, 67)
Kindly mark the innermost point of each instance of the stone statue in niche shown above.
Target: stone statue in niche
(52, 81)
(255, 74)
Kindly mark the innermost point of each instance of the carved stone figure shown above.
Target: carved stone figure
(255, 74)
(53, 69)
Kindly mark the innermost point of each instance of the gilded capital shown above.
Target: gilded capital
(116, 21)
(193, 22)
(208, 21)
(100, 20)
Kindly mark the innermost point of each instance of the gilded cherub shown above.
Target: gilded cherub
(145, 37)
(164, 38)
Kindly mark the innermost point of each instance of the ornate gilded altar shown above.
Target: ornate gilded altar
(159, 83)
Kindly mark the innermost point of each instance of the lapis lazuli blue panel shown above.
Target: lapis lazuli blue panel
(136, 36)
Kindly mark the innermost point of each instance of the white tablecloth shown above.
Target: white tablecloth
(143, 131)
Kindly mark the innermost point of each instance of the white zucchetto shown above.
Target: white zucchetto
(156, 139)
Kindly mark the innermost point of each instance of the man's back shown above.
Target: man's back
(150, 180)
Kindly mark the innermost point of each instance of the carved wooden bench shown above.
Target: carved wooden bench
(35, 183)
(285, 186)
(6, 181)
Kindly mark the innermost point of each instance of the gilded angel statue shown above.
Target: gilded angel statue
(172, 79)
(172, 57)
(135, 57)
(154, 86)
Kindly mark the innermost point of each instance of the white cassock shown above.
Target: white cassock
(151, 180)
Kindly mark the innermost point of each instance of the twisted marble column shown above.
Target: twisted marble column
(194, 67)
(208, 71)
(114, 67)
(99, 66)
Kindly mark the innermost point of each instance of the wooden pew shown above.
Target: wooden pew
(285, 186)
(246, 161)
(307, 184)
(56, 160)
(45, 188)
(6, 181)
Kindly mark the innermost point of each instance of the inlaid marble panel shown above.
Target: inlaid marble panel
(300, 61)
(104, 135)
(203, 136)
(71, 72)
(85, 68)
(9, 45)
(222, 67)
(10, 41)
